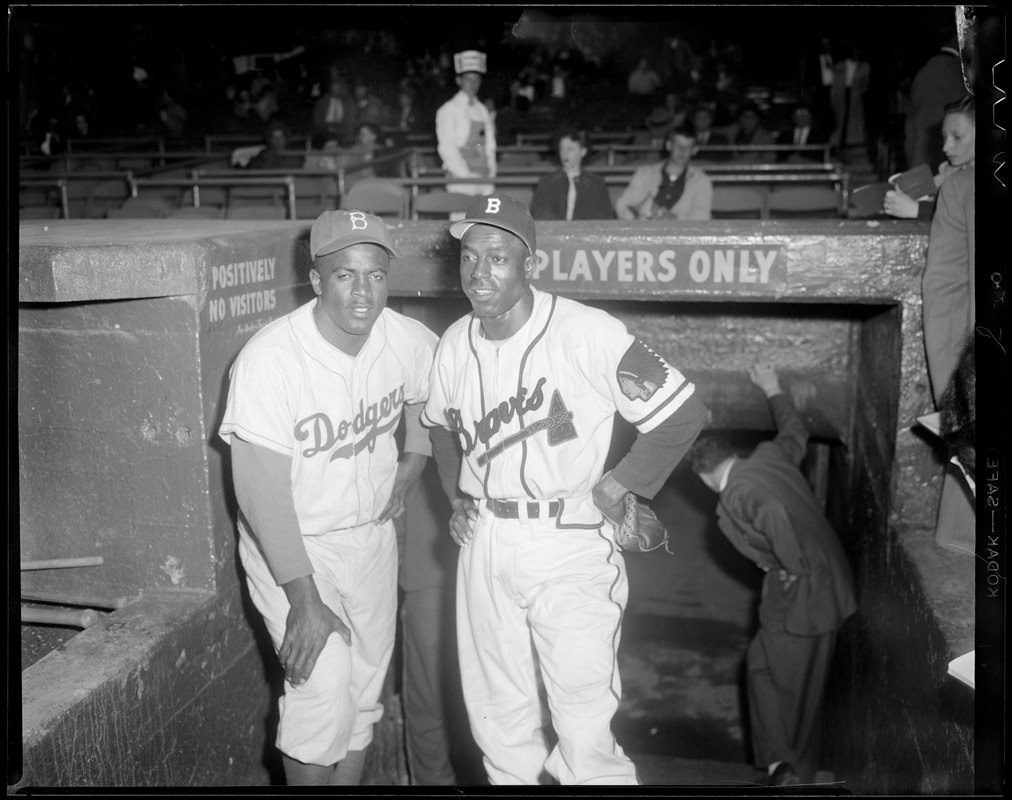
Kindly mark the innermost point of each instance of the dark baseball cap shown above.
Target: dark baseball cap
(336, 230)
(501, 211)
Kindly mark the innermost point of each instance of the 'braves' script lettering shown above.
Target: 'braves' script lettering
(487, 426)
(366, 425)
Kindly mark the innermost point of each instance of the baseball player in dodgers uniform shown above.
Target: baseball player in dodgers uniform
(530, 382)
(314, 400)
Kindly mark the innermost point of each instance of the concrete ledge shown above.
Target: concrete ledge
(105, 709)
(947, 580)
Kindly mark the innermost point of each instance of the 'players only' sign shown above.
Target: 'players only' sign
(749, 268)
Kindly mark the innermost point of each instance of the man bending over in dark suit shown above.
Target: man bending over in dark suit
(769, 513)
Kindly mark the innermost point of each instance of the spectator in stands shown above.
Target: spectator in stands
(53, 140)
(678, 63)
(702, 123)
(643, 80)
(465, 136)
(82, 127)
(662, 120)
(851, 78)
(172, 114)
(673, 188)
(274, 156)
(559, 79)
(657, 127)
(242, 104)
(330, 112)
(366, 106)
(819, 80)
(407, 113)
(959, 129)
(804, 130)
(938, 83)
(369, 145)
(749, 132)
(324, 155)
(571, 192)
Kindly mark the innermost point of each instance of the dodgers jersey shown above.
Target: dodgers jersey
(534, 413)
(335, 415)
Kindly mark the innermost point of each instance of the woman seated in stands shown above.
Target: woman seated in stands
(749, 132)
(571, 192)
(959, 127)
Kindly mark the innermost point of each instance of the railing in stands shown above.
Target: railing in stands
(762, 176)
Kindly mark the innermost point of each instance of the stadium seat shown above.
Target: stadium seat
(799, 202)
(385, 198)
(247, 211)
(736, 202)
(39, 212)
(141, 208)
(313, 196)
(105, 197)
(198, 212)
(440, 204)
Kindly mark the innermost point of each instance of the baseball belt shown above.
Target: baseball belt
(510, 509)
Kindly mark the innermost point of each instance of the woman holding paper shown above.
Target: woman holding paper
(959, 129)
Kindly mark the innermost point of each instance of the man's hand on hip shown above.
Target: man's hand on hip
(463, 520)
(309, 625)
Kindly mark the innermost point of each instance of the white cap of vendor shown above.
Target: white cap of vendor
(336, 230)
(468, 61)
(501, 211)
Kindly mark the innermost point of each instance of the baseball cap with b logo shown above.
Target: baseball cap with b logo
(336, 230)
(501, 211)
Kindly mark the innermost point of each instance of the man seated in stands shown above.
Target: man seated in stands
(749, 132)
(570, 192)
(804, 130)
(672, 188)
(702, 121)
(274, 155)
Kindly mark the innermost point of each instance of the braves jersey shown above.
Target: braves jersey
(335, 415)
(534, 413)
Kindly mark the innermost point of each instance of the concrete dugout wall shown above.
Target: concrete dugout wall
(126, 333)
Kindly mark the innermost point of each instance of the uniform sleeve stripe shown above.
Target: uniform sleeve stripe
(671, 398)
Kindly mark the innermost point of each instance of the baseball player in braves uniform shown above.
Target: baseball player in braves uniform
(313, 404)
(465, 134)
(529, 382)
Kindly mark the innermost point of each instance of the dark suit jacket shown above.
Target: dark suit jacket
(816, 135)
(592, 199)
(768, 512)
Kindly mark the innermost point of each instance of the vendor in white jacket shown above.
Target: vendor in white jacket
(464, 130)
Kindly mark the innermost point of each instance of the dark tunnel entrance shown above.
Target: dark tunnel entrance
(842, 322)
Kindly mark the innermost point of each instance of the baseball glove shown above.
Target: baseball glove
(637, 528)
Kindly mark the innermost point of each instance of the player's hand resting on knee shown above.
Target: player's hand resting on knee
(310, 623)
(465, 516)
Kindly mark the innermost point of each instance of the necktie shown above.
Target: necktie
(571, 198)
